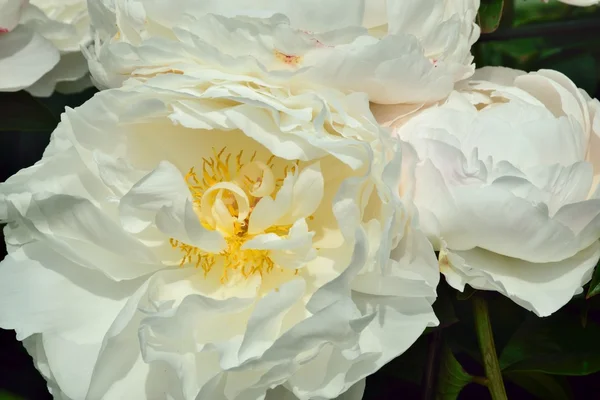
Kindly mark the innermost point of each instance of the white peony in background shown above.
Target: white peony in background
(507, 185)
(346, 45)
(40, 46)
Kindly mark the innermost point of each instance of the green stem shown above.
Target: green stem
(485, 337)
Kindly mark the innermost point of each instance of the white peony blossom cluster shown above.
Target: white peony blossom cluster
(40, 46)
(251, 207)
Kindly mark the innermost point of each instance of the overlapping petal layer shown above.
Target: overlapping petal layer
(43, 52)
(414, 58)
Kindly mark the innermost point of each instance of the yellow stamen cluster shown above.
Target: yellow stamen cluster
(221, 168)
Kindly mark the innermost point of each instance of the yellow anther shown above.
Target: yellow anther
(233, 259)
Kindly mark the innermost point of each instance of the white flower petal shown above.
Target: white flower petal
(308, 192)
(29, 314)
(526, 232)
(74, 227)
(291, 252)
(540, 287)
(148, 195)
(264, 324)
(10, 14)
(24, 57)
(56, 314)
(70, 68)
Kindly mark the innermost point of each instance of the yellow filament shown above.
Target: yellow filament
(246, 262)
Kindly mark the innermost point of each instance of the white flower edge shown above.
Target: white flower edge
(580, 3)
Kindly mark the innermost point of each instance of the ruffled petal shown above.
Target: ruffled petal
(539, 287)
(25, 57)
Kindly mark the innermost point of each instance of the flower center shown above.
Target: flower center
(225, 194)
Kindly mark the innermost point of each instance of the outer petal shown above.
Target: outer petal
(75, 228)
(25, 57)
(66, 26)
(354, 393)
(540, 287)
(48, 308)
(372, 67)
(526, 231)
(122, 379)
(71, 67)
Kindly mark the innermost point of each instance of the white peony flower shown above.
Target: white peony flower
(207, 236)
(24, 55)
(508, 185)
(414, 58)
(49, 37)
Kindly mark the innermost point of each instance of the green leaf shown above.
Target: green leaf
(452, 378)
(8, 396)
(21, 112)
(490, 14)
(595, 285)
(556, 345)
(544, 387)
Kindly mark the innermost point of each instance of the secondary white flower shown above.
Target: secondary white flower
(348, 44)
(508, 185)
(49, 38)
(204, 237)
(24, 55)
(579, 3)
